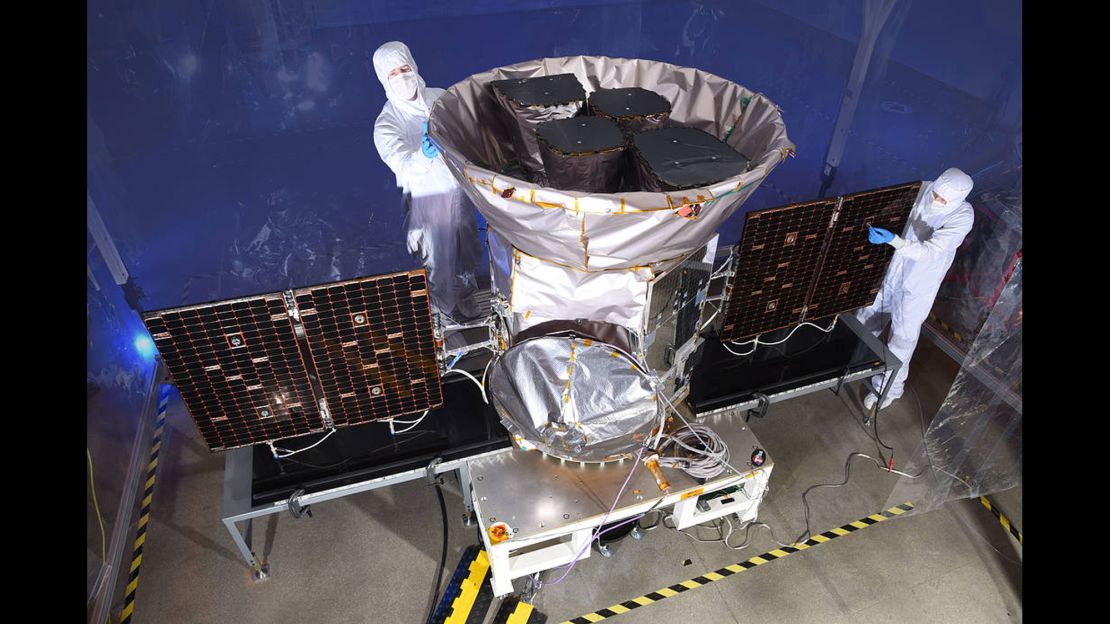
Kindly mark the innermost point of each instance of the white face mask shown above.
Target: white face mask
(404, 85)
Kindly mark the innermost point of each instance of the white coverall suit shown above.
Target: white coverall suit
(441, 230)
(920, 262)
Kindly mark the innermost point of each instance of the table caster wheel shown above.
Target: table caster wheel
(604, 550)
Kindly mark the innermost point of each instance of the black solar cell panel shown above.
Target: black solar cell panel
(372, 345)
(812, 260)
(852, 269)
(246, 378)
(776, 263)
(238, 369)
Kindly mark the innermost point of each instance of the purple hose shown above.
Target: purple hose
(598, 533)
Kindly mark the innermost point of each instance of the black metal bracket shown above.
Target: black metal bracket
(760, 410)
(295, 507)
(839, 383)
(430, 472)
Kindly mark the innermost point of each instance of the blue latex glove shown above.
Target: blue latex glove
(426, 145)
(879, 236)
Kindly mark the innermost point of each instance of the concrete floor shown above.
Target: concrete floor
(370, 557)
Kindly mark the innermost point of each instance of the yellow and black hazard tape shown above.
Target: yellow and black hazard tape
(727, 571)
(468, 594)
(144, 512)
(1009, 526)
(948, 329)
(515, 611)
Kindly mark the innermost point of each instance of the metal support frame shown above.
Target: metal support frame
(238, 472)
(104, 242)
(891, 364)
(463, 474)
(875, 14)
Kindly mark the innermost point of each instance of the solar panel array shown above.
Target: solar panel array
(775, 267)
(238, 369)
(371, 346)
(852, 269)
(246, 378)
(811, 260)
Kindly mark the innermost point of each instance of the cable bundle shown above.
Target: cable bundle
(705, 456)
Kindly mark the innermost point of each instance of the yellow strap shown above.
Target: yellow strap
(521, 614)
(468, 589)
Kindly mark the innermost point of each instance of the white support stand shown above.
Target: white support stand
(744, 503)
(552, 508)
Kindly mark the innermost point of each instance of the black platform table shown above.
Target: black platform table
(358, 459)
(810, 361)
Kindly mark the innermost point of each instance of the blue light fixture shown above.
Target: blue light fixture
(145, 346)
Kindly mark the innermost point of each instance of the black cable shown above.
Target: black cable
(805, 502)
(316, 466)
(878, 405)
(442, 557)
(416, 433)
(875, 426)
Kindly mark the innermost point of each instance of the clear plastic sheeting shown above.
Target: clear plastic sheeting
(294, 247)
(973, 446)
(573, 398)
(981, 267)
(119, 364)
(605, 231)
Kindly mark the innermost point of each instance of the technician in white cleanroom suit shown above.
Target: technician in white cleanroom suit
(937, 225)
(439, 220)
